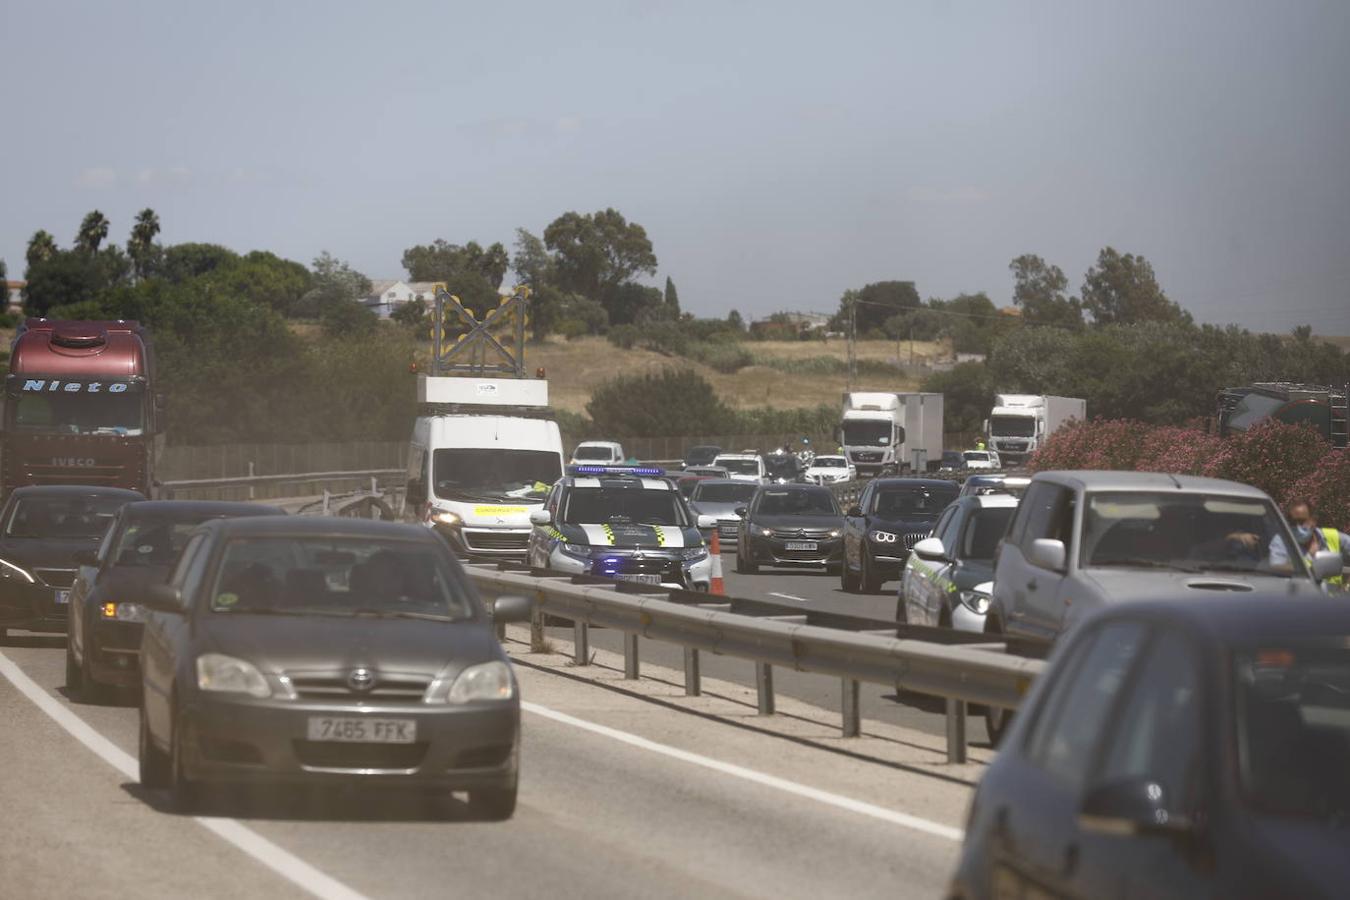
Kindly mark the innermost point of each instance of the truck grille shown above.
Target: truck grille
(497, 540)
(867, 457)
(57, 578)
(387, 689)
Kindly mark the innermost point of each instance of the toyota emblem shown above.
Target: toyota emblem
(361, 680)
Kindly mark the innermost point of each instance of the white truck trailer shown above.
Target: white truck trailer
(1020, 423)
(890, 433)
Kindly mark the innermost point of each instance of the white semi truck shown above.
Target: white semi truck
(886, 434)
(1020, 423)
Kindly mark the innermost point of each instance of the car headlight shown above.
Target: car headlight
(884, 537)
(485, 681)
(217, 672)
(122, 612)
(835, 532)
(11, 572)
(975, 601)
(581, 551)
(447, 518)
(693, 554)
(766, 532)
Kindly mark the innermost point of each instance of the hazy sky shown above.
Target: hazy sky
(776, 152)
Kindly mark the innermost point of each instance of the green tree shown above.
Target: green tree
(735, 321)
(41, 247)
(669, 402)
(264, 278)
(64, 278)
(182, 262)
(1039, 291)
(471, 273)
(348, 318)
(412, 314)
(672, 299)
(532, 261)
(141, 246)
(93, 231)
(1123, 290)
(876, 303)
(968, 395)
(334, 283)
(595, 255)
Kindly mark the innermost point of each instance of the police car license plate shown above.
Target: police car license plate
(361, 730)
(62, 598)
(802, 545)
(640, 579)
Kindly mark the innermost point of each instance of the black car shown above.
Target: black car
(891, 516)
(789, 525)
(42, 528)
(103, 637)
(327, 651)
(702, 455)
(1176, 749)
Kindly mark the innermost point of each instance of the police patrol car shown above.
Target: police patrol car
(628, 523)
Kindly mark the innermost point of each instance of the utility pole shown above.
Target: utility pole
(852, 342)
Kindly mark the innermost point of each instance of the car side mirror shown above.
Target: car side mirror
(162, 598)
(741, 511)
(541, 516)
(931, 549)
(86, 557)
(1326, 564)
(707, 521)
(1129, 807)
(854, 512)
(511, 608)
(1047, 553)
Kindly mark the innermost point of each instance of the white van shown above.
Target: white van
(475, 476)
(598, 453)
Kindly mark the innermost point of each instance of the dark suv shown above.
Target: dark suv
(892, 515)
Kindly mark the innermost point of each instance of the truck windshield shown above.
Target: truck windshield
(1012, 426)
(80, 413)
(1188, 532)
(475, 473)
(867, 434)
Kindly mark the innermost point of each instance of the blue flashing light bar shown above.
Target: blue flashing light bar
(650, 471)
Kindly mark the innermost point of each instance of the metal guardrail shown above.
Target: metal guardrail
(961, 675)
(316, 481)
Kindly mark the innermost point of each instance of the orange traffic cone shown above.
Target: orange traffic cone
(715, 586)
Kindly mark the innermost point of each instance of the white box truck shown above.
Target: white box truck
(485, 452)
(1020, 423)
(889, 433)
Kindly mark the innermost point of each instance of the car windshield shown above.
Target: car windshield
(798, 503)
(293, 575)
(602, 505)
(976, 456)
(740, 466)
(829, 462)
(867, 434)
(1293, 727)
(593, 453)
(983, 532)
(62, 517)
(1012, 426)
(912, 501)
(701, 456)
(83, 412)
(724, 493)
(152, 541)
(1186, 531)
(479, 474)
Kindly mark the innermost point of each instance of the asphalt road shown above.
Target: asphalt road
(620, 797)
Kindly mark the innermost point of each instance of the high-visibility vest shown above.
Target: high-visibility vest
(1333, 538)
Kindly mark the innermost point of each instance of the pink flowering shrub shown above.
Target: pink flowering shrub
(1273, 456)
(1327, 488)
(1179, 451)
(1097, 444)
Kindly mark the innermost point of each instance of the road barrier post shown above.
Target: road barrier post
(764, 687)
(850, 708)
(251, 474)
(956, 731)
(537, 629)
(630, 656)
(581, 641)
(693, 685)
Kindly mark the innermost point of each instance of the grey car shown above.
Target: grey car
(327, 651)
(720, 498)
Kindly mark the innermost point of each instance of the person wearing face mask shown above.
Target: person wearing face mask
(1314, 540)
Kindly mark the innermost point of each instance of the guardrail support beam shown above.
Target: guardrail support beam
(956, 731)
(581, 643)
(630, 656)
(850, 707)
(693, 685)
(537, 629)
(764, 687)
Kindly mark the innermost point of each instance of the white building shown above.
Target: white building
(14, 296)
(386, 295)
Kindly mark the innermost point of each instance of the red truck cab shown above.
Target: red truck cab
(80, 406)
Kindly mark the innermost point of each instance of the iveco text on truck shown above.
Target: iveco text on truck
(80, 406)
(1019, 423)
(884, 433)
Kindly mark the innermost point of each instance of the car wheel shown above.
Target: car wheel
(847, 580)
(871, 583)
(153, 761)
(493, 804)
(996, 718)
(73, 672)
(185, 793)
(744, 566)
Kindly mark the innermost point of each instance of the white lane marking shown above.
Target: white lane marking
(847, 803)
(285, 864)
(789, 597)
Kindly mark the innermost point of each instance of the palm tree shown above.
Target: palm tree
(93, 230)
(140, 246)
(41, 247)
